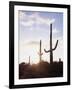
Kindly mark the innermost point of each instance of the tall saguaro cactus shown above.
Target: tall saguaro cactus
(51, 49)
(40, 51)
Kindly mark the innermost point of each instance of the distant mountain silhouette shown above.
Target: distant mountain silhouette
(42, 69)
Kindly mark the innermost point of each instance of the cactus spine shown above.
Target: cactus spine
(51, 49)
(40, 52)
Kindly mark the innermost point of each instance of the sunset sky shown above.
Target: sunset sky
(34, 26)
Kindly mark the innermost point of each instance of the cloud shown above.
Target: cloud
(34, 18)
(27, 23)
(33, 43)
(55, 31)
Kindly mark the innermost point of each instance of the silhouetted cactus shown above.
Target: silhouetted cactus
(59, 59)
(29, 59)
(40, 52)
(51, 49)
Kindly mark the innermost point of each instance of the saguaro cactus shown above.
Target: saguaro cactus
(51, 49)
(40, 52)
(29, 59)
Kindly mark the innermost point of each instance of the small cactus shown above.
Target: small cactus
(59, 59)
(29, 59)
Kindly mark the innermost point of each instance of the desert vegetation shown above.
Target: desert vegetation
(40, 70)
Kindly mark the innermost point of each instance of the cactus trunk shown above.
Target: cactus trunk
(40, 51)
(51, 52)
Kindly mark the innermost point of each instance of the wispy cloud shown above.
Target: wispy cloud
(55, 31)
(33, 43)
(34, 18)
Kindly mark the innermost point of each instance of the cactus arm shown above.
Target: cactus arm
(47, 51)
(55, 45)
(52, 49)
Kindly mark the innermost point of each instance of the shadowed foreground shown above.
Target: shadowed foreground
(41, 70)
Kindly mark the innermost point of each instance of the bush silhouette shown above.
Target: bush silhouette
(41, 70)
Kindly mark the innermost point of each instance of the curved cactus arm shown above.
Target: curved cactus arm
(47, 51)
(52, 49)
(55, 45)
